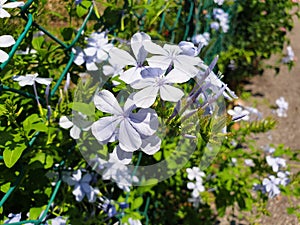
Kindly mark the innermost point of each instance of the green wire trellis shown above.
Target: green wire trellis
(187, 16)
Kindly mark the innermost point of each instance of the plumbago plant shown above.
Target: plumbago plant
(143, 138)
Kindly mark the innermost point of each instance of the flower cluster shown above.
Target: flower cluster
(196, 184)
(95, 52)
(222, 20)
(282, 107)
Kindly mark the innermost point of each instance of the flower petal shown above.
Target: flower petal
(106, 102)
(6, 41)
(154, 48)
(4, 13)
(123, 156)
(64, 122)
(145, 121)
(46, 81)
(75, 132)
(129, 139)
(105, 127)
(177, 76)
(13, 5)
(121, 57)
(170, 93)
(137, 46)
(146, 97)
(151, 145)
(79, 194)
(3, 56)
(131, 75)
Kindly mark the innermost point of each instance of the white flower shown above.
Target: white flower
(276, 163)
(268, 149)
(249, 162)
(223, 18)
(282, 107)
(98, 45)
(5, 41)
(188, 48)
(132, 128)
(283, 176)
(122, 58)
(155, 81)
(202, 39)
(197, 188)
(82, 186)
(219, 2)
(13, 218)
(116, 170)
(215, 25)
(238, 113)
(86, 56)
(171, 55)
(133, 222)
(79, 123)
(3, 6)
(195, 173)
(58, 221)
(271, 186)
(290, 55)
(30, 79)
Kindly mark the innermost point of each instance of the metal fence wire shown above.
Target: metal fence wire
(187, 22)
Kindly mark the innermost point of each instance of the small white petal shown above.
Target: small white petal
(64, 122)
(129, 139)
(177, 76)
(146, 97)
(170, 93)
(79, 195)
(105, 127)
(4, 13)
(13, 5)
(75, 132)
(3, 56)
(6, 41)
(121, 57)
(46, 81)
(106, 102)
(151, 145)
(123, 156)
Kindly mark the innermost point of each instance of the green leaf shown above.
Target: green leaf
(5, 187)
(34, 213)
(12, 156)
(82, 8)
(38, 42)
(67, 33)
(87, 109)
(137, 203)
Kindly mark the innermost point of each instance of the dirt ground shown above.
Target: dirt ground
(265, 90)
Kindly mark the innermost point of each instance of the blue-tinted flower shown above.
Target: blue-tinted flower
(133, 222)
(155, 82)
(57, 221)
(201, 39)
(98, 46)
(10, 5)
(5, 41)
(249, 162)
(290, 55)
(188, 48)
(197, 188)
(30, 79)
(275, 163)
(117, 171)
(82, 186)
(195, 173)
(238, 113)
(77, 2)
(219, 2)
(130, 127)
(77, 124)
(120, 58)
(284, 177)
(171, 56)
(13, 218)
(87, 57)
(271, 186)
(282, 107)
